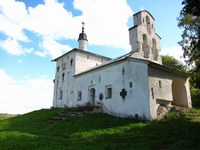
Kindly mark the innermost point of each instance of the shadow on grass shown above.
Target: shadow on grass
(97, 131)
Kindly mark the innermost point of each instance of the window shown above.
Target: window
(63, 77)
(79, 96)
(160, 84)
(152, 93)
(71, 62)
(60, 94)
(130, 84)
(58, 69)
(108, 91)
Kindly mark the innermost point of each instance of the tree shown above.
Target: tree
(189, 20)
(173, 63)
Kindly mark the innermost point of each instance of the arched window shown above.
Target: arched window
(145, 46)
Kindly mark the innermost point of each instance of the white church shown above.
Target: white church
(133, 85)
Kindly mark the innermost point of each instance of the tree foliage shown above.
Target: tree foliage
(189, 20)
(173, 63)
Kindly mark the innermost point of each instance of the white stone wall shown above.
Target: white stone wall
(84, 61)
(136, 101)
(65, 84)
(75, 62)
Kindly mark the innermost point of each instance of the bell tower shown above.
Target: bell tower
(82, 39)
(145, 43)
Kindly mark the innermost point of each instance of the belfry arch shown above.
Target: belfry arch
(154, 50)
(148, 24)
(145, 46)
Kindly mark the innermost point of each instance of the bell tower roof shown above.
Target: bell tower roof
(82, 35)
(82, 39)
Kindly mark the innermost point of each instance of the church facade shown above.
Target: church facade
(133, 85)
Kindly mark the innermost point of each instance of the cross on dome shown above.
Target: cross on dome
(83, 23)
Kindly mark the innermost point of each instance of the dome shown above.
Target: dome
(82, 36)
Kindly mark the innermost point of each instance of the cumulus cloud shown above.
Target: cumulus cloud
(13, 47)
(52, 47)
(11, 29)
(29, 95)
(104, 26)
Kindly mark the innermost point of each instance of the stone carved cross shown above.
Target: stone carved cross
(123, 93)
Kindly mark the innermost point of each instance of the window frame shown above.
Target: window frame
(79, 95)
(108, 92)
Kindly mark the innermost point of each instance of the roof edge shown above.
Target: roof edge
(82, 51)
(144, 11)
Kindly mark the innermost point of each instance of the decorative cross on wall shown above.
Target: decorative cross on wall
(123, 93)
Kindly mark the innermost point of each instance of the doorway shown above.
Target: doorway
(92, 96)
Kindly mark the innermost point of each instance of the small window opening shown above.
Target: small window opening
(123, 71)
(63, 77)
(71, 62)
(160, 84)
(130, 84)
(79, 96)
(58, 68)
(152, 93)
(108, 92)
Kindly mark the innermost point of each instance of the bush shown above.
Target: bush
(195, 95)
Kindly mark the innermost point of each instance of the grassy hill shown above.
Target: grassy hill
(40, 130)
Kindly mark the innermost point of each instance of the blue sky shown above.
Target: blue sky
(33, 32)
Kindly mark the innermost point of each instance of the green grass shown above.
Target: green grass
(37, 130)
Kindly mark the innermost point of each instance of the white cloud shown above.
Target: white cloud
(12, 46)
(50, 19)
(106, 21)
(24, 97)
(12, 29)
(175, 51)
(52, 47)
(105, 24)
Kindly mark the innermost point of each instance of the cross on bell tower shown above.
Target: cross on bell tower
(82, 39)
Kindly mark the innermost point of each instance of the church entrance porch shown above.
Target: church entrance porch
(92, 96)
(179, 93)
